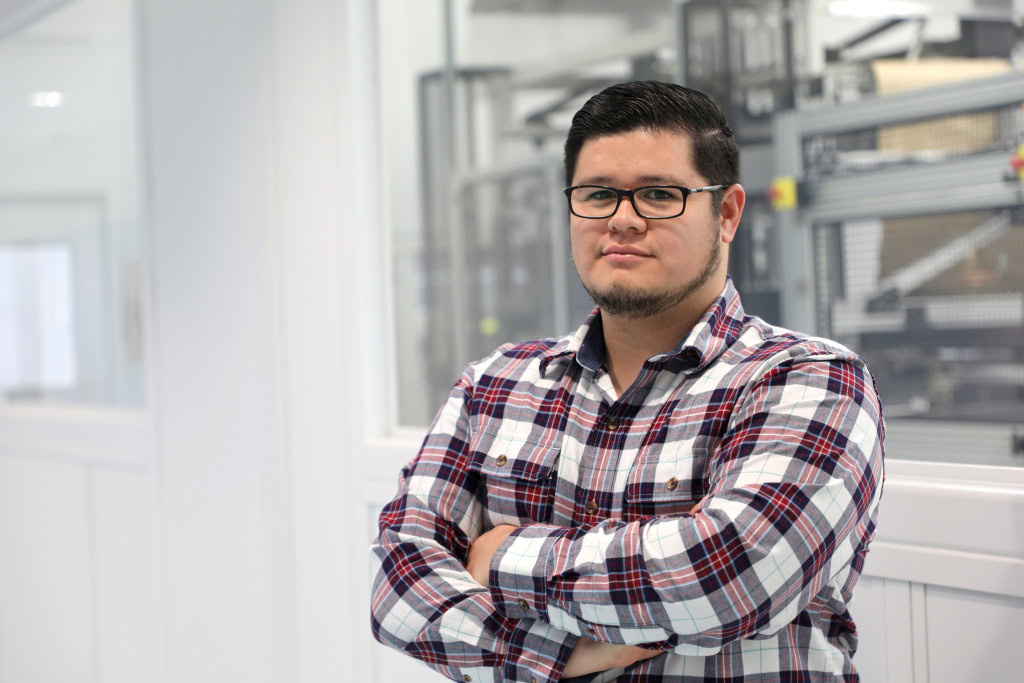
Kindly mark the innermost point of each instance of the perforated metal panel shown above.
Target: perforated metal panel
(935, 303)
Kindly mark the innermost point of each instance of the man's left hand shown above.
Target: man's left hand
(482, 550)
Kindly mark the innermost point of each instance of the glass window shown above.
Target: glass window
(476, 112)
(473, 171)
(70, 230)
(37, 341)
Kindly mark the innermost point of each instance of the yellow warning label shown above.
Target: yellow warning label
(489, 326)
(783, 193)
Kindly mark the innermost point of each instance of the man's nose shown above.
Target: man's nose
(626, 218)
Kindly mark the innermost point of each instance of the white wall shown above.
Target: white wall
(186, 562)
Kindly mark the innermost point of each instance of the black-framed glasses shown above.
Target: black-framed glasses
(650, 201)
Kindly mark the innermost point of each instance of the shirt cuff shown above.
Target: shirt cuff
(537, 652)
(519, 571)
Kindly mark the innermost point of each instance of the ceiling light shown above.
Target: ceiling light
(876, 9)
(46, 100)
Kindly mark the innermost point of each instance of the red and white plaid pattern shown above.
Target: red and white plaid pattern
(779, 434)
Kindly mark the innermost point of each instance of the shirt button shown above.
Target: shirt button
(502, 459)
(589, 630)
(467, 678)
(672, 484)
(613, 424)
(524, 604)
(591, 507)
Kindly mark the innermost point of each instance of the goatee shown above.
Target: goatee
(637, 303)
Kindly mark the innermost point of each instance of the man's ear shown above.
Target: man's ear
(733, 201)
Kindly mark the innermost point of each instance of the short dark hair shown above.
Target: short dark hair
(655, 106)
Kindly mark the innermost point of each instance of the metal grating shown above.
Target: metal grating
(936, 305)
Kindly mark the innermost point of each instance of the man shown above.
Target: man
(676, 492)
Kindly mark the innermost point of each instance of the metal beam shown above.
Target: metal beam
(963, 184)
(794, 243)
(954, 98)
(679, 21)
(15, 16)
(551, 73)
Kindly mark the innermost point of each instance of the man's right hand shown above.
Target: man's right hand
(591, 656)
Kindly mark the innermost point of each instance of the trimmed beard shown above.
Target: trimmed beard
(636, 304)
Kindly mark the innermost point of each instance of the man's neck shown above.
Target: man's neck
(629, 342)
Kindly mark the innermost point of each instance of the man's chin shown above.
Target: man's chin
(634, 303)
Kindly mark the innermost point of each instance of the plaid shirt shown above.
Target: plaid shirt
(779, 434)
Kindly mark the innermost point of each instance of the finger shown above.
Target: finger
(640, 654)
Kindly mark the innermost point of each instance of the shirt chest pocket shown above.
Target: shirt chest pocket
(666, 479)
(517, 477)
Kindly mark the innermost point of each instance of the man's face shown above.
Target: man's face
(636, 267)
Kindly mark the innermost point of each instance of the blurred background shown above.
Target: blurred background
(247, 246)
(905, 243)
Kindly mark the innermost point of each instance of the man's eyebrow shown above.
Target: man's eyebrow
(660, 180)
(595, 180)
(642, 180)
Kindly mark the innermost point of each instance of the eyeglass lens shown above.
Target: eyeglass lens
(650, 202)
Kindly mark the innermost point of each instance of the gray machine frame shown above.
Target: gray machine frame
(957, 184)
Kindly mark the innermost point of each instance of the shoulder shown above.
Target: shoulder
(766, 353)
(762, 341)
(521, 361)
(797, 363)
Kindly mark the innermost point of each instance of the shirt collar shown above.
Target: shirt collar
(716, 331)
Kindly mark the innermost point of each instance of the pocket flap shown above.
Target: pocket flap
(503, 455)
(672, 473)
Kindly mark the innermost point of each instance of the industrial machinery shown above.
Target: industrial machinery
(903, 238)
(911, 207)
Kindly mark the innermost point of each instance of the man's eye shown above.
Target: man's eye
(658, 194)
(600, 196)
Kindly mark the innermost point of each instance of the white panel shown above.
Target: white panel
(919, 632)
(210, 139)
(881, 609)
(969, 571)
(322, 402)
(128, 584)
(951, 525)
(949, 514)
(899, 634)
(974, 637)
(88, 435)
(47, 632)
(868, 610)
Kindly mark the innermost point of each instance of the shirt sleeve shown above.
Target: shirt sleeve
(794, 488)
(425, 603)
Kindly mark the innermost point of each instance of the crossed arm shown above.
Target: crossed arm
(589, 656)
(782, 518)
